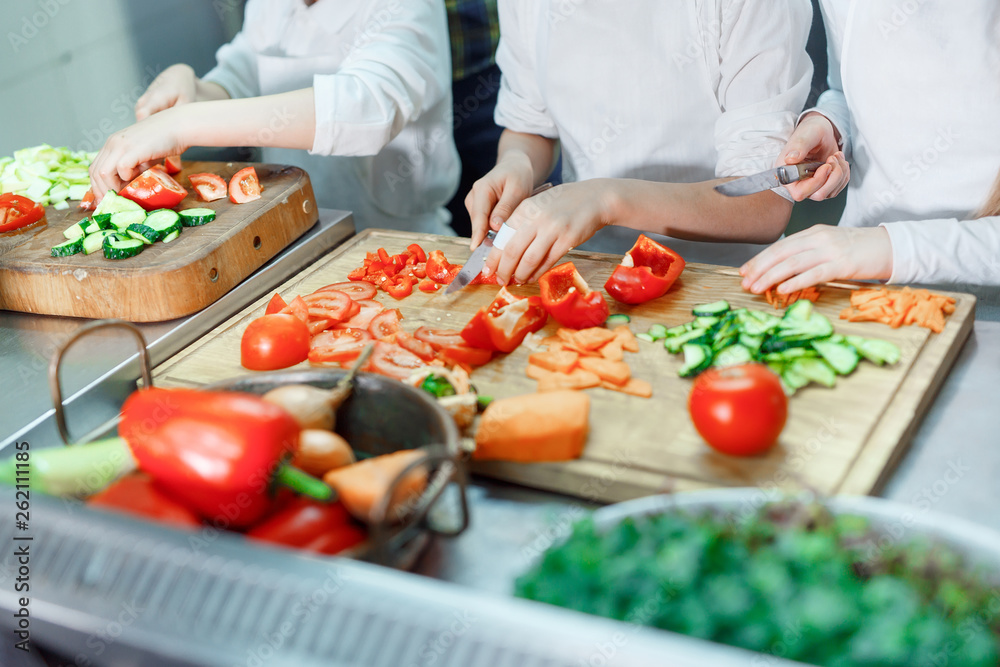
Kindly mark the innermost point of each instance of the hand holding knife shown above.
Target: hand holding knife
(768, 180)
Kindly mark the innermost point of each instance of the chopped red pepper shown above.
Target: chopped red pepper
(17, 212)
(218, 453)
(401, 288)
(464, 355)
(504, 324)
(647, 272)
(428, 285)
(568, 298)
(303, 523)
(439, 269)
(137, 495)
(418, 252)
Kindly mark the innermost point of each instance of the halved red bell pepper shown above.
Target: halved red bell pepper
(568, 298)
(306, 524)
(218, 453)
(504, 324)
(137, 495)
(647, 272)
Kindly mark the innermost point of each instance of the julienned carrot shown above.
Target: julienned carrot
(900, 307)
(785, 300)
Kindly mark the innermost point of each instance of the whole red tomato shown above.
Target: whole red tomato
(739, 410)
(274, 341)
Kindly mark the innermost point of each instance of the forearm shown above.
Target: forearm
(537, 150)
(696, 212)
(209, 91)
(287, 120)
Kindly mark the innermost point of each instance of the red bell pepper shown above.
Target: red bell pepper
(401, 287)
(137, 495)
(504, 324)
(303, 523)
(218, 453)
(568, 298)
(439, 269)
(647, 272)
(17, 212)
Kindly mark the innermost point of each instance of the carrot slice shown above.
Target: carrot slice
(616, 372)
(627, 339)
(613, 351)
(593, 338)
(578, 379)
(536, 372)
(634, 387)
(362, 485)
(562, 361)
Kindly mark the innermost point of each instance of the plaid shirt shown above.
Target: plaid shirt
(475, 31)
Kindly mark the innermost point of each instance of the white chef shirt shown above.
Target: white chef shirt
(381, 74)
(915, 92)
(677, 91)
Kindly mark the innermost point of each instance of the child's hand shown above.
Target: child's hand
(175, 85)
(815, 140)
(494, 197)
(125, 153)
(820, 254)
(549, 225)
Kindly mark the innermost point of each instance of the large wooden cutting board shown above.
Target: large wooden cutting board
(165, 280)
(841, 440)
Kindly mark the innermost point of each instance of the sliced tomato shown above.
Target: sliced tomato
(439, 338)
(274, 341)
(364, 317)
(332, 305)
(208, 186)
(393, 361)
(172, 163)
(89, 201)
(244, 186)
(418, 347)
(356, 289)
(275, 305)
(17, 212)
(298, 308)
(464, 355)
(385, 323)
(337, 345)
(153, 189)
(318, 324)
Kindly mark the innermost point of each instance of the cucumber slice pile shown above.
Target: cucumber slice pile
(121, 228)
(801, 347)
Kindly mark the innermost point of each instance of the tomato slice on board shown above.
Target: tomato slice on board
(463, 354)
(385, 323)
(17, 212)
(393, 361)
(298, 308)
(364, 317)
(318, 324)
(208, 186)
(244, 186)
(275, 305)
(274, 341)
(337, 345)
(417, 347)
(439, 338)
(153, 189)
(332, 305)
(356, 289)
(172, 163)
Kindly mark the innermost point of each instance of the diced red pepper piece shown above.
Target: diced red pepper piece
(428, 285)
(504, 324)
(647, 272)
(400, 288)
(418, 252)
(568, 298)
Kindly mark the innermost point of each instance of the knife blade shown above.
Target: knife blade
(474, 265)
(767, 180)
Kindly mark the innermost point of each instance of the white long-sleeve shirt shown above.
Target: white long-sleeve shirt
(681, 91)
(381, 74)
(915, 93)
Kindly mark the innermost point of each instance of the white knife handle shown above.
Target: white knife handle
(503, 236)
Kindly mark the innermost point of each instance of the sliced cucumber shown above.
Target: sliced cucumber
(71, 247)
(815, 370)
(95, 226)
(192, 217)
(751, 341)
(792, 380)
(715, 309)
(842, 358)
(115, 203)
(615, 320)
(878, 352)
(696, 359)
(144, 233)
(657, 332)
(171, 236)
(801, 311)
(679, 330)
(94, 242)
(117, 248)
(707, 322)
(641, 336)
(75, 231)
(125, 219)
(101, 217)
(817, 326)
(675, 344)
(163, 219)
(734, 355)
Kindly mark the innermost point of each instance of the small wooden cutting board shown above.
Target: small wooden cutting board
(165, 280)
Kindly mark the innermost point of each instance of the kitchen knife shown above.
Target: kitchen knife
(767, 180)
(474, 266)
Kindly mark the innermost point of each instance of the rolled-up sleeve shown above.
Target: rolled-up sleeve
(764, 81)
(833, 103)
(520, 104)
(945, 251)
(236, 69)
(393, 74)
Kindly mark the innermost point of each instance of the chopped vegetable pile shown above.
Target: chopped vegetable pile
(800, 347)
(47, 175)
(780, 301)
(397, 274)
(899, 307)
(793, 581)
